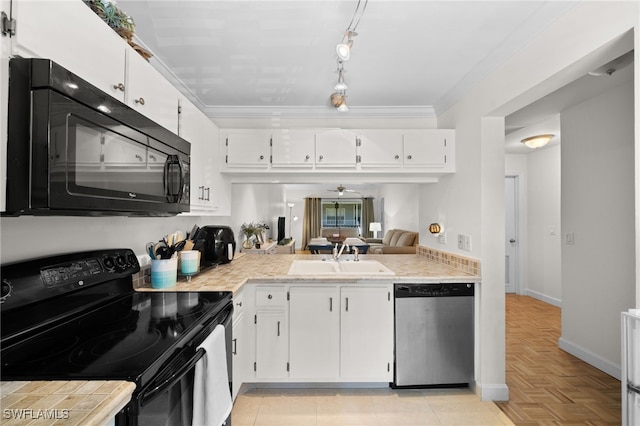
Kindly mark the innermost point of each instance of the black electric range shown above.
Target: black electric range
(77, 316)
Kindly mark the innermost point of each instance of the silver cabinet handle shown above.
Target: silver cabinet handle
(139, 157)
(140, 101)
(320, 158)
(409, 157)
(331, 304)
(278, 328)
(306, 158)
(346, 304)
(119, 87)
(208, 194)
(262, 157)
(269, 297)
(396, 157)
(201, 195)
(235, 347)
(512, 240)
(239, 304)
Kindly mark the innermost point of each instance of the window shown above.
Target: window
(341, 213)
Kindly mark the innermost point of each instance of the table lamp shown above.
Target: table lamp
(375, 227)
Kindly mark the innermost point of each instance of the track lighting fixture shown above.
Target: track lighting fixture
(343, 52)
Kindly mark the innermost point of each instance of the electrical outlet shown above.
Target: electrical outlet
(461, 241)
(569, 238)
(442, 238)
(467, 242)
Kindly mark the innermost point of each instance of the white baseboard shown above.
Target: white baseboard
(590, 358)
(543, 297)
(495, 392)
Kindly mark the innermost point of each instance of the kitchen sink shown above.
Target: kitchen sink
(331, 267)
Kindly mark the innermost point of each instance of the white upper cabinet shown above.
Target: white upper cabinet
(293, 148)
(149, 93)
(248, 148)
(429, 148)
(72, 35)
(380, 148)
(335, 148)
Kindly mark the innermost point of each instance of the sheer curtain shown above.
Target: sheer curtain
(367, 216)
(311, 220)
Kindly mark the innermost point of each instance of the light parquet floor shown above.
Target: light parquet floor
(548, 386)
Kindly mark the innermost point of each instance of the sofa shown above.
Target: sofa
(395, 241)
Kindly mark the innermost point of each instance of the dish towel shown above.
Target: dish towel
(211, 395)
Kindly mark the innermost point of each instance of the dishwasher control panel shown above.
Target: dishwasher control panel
(434, 290)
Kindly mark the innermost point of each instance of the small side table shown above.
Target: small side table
(289, 248)
(266, 248)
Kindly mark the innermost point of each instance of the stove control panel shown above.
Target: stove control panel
(38, 279)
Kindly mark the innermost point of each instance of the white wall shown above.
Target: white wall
(26, 237)
(472, 201)
(257, 203)
(544, 280)
(401, 207)
(598, 209)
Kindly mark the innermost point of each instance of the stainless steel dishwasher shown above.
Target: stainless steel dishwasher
(433, 335)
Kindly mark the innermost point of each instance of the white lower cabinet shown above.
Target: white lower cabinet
(272, 333)
(366, 333)
(324, 333)
(314, 320)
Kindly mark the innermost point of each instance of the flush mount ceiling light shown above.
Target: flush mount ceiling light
(537, 141)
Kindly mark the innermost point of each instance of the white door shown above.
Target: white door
(511, 234)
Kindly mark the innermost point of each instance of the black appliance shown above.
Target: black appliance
(77, 317)
(216, 243)
(74, 150)
(434, 345)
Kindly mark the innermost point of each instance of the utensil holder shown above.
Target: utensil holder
(189, 262)
(164, 272)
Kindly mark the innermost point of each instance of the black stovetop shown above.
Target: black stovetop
(124, 336)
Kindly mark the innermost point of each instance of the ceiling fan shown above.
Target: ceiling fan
(341, 190)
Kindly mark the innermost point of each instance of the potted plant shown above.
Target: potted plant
(119, 21)
(249, 230)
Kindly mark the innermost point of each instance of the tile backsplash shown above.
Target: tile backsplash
(462, 263)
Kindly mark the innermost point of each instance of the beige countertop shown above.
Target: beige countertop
(61, 402)
(248, 268)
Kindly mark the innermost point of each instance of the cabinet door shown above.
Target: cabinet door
(238, 346)
(336, 148)
(293, 148)
(148, 92)
(202, 133)
(314, 318)
(366, 338)
(248, 149)
(380, 148)
(272, 344)
(426, 148)
(72, 35)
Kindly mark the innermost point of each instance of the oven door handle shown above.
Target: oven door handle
(147, 396)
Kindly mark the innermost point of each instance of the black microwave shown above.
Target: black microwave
(75, 150)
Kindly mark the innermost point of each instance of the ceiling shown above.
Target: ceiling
(277, 58)
(268, 60)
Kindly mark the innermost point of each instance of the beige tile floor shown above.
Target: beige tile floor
(366, 407)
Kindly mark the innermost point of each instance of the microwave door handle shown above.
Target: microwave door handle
(150, 394)
(171, 161)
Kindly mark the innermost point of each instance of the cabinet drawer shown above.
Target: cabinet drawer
(274, 296)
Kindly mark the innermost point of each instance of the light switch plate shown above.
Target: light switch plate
(467, 242)
(461, 241)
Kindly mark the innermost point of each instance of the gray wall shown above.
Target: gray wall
(598, 270)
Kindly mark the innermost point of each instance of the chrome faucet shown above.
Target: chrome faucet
(355, 254)
(336, 253)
